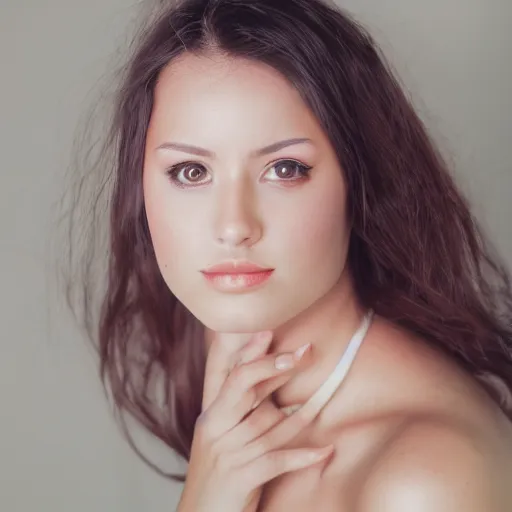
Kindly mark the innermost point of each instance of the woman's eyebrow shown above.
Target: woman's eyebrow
(194, 150)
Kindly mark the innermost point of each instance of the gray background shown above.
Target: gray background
(59, 447)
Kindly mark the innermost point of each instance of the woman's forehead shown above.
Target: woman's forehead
(238, 97)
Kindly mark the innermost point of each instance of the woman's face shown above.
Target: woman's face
(228, 201)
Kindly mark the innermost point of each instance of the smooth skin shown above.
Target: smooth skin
(410, 429)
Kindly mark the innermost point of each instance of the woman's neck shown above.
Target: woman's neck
(328, 325)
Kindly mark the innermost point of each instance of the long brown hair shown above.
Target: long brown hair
(417, 254)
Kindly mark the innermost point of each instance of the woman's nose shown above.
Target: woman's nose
(237, 220)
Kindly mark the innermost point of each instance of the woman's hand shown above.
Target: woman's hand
(237, 436)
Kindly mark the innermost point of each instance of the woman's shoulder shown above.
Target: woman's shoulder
(406, 423)
(424, 460)
(436, 463)
(435, 435)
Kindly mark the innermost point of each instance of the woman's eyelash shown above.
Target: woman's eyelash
(303, 169)
(174, 171)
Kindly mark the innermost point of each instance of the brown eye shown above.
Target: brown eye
(289, 170)
(187, 175)
(285, 170)
(192, 173)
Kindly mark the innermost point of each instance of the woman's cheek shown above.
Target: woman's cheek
(320, 227)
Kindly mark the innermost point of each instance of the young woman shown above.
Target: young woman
(293, 273)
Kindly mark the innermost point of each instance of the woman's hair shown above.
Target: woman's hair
(417, 255)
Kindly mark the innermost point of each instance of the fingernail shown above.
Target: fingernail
(284, 362)
(299, 353)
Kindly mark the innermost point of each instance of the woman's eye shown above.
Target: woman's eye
(193, 174)
(289, 170)
(188, 174)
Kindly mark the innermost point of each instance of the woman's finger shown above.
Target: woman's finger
(256, 348)
(221, 358)
(239, 394)
(246, 380)
(279, 462)
(255, 424)
(283, 432)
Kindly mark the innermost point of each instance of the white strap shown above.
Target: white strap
(325, 392)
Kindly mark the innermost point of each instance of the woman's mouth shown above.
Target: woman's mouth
(227, 282)
(236, 275)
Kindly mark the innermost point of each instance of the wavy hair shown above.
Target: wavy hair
(418, 255)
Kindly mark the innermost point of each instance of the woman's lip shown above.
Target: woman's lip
(235, 267)
(230, 282)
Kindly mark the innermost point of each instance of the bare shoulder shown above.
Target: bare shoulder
(434, 464)
(453, 451)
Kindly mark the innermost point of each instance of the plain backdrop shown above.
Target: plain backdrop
(59, 447)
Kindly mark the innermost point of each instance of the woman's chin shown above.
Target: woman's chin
(239, 323)
(237, 326)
